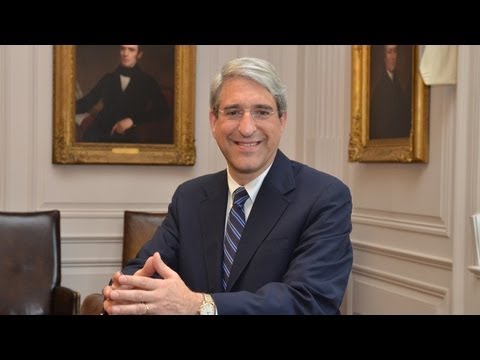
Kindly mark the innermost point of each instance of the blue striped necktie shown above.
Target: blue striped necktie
(233, 232)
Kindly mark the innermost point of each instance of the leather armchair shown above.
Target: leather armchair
(30, 264)
(138, 228)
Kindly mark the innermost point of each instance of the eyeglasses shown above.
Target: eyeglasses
(237, 114)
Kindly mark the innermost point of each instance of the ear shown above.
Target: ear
(140, 54)
(283, 121)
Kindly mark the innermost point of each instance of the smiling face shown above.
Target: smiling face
(249, 145)
(129, 55)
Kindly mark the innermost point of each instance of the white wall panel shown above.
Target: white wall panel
(323, 106)
(19, 127)
(378, 293)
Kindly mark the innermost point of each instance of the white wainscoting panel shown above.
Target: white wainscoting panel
(381, 293)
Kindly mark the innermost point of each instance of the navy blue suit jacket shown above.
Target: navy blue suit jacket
(295, 254)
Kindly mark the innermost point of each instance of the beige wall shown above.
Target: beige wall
(412, 235)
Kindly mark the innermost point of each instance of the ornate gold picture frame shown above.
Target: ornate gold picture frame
(384, 141)
(177, 148)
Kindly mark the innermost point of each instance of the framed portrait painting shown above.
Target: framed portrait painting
(390, 105)
(124, 104)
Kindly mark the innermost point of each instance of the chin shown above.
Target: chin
(244, 168)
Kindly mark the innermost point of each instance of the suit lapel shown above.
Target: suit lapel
(212, 212)
(269, 206)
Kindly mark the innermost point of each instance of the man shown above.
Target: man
(283, 247)
(128, 98)
(390, 115)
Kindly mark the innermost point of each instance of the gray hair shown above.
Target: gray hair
(258, 70)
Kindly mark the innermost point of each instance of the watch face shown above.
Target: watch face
(207, 309)
(208, 305)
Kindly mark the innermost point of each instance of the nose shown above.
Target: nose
(246, 125)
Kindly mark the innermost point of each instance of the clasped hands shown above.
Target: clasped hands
(121, 126)
(139, 294)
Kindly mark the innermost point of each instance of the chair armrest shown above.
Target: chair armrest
(92, 305)
(65, 301)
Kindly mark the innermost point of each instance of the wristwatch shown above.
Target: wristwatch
(208, 306)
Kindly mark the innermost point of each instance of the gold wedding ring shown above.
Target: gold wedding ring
(147, 308)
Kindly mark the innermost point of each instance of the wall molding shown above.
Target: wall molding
(447, 157)
(408, 256)
(91, 262)
(92, 214)
(399, 221)
(108, 239)
(84, 209)
(475, 270)
(418, 286)
(96, 213)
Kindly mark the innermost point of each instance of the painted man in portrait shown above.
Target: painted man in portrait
(390, 107)
(123, 102)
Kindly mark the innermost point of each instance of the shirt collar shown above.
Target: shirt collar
(252, 187)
